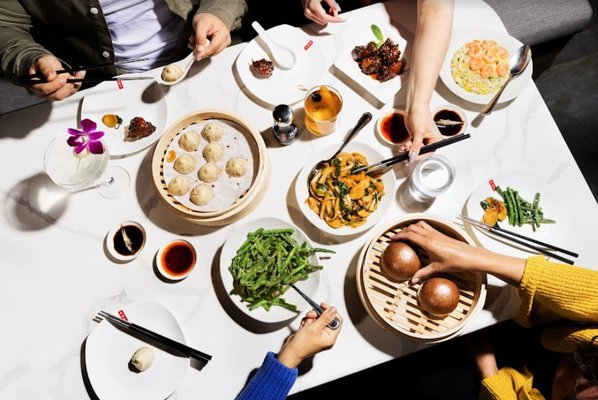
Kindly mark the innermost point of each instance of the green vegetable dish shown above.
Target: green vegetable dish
(267, 263)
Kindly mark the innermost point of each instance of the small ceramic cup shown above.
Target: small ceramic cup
(121, 237)
(391, 128)
(445, 115)
(176, 259)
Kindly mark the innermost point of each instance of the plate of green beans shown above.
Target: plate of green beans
(258, 263)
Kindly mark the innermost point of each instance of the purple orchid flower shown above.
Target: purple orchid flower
(86, 138)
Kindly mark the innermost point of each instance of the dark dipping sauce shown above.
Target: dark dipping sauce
(450, 130)
(178, 258)
(135, 236)
(393, 129)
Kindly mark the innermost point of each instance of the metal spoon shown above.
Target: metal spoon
(283, 56)
(518, 63)
(363, 121)
(334, 324)
(185, 65)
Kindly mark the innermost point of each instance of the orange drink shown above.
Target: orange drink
(322, 106)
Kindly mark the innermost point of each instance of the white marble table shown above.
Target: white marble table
(56, 274)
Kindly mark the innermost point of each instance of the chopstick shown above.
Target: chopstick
(334, 324)
(405, 155)
(82, 67)
(172, 344)
(510, 235)
(35, 81)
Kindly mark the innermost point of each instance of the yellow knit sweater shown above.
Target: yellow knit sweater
(548, 291)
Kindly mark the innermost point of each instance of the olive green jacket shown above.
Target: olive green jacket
(75, 31)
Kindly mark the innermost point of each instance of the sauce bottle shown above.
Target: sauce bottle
(285, 129)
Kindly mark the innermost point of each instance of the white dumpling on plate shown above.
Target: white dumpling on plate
(213, 152)
(189, 141)
(179, 185)
(212, 132)
(185, 164)
(209, 172)
(236, 167)
(143, 358)
(201, 194)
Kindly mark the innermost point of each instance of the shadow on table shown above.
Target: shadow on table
(13, 124)
(232, 310)
(35, 203)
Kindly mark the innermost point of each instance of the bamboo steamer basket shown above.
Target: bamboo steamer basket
(394, 306)
(246, 202)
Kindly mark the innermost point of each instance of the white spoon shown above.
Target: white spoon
(184, 64)
(283, 56)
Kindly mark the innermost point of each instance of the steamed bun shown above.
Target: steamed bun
(179, 185)
(213, 152)
(189, 141)
(209, 172)
(236, 167)
(185, 164)
(201, 194)
(212, 132)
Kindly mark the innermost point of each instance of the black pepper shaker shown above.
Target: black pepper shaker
(285, 129)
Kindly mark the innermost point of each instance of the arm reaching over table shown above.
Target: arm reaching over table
(278, 373)
(314, 10)
(432, 37)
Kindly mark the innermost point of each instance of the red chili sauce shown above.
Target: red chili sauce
(178, 258)
(393, 128)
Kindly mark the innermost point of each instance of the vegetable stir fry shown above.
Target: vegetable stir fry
(518, 210)
(266, 263)
(342, 198)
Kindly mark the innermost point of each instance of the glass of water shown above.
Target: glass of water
(431, 177)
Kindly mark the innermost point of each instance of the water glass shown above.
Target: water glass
(431, 177)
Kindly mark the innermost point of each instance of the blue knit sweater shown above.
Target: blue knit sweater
(272, 381)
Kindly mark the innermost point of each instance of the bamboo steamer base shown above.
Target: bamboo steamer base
(394, 305)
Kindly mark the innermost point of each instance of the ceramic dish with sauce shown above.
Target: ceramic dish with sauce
(126, 240)
(176, 260)
(391, 128)
(447, 115)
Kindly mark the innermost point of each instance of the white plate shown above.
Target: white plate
(144, 98)
(108, 351)
(462, 36)
(283, 86)
(382, 91)
(276, 313)
(302, 191)
(527, 185)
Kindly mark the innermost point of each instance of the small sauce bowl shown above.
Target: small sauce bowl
(391, 128)
(176, 259)
(449, 112)
(115, 240)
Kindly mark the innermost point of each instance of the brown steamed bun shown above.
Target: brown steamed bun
(399, 261)
(438, 296)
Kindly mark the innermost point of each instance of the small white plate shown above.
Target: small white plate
(283, 86)
(527, 185)
(108, 351)
(143, 98)
(462, 36)
(382, 91)
(302, 191)
(276, 313)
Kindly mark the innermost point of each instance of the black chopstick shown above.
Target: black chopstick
(172, 344)
(25, 78)
(405, 156)
(35, 81)
(509, 235)
(334, 324)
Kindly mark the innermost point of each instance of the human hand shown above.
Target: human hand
(211, 36)
(312, 337)
(422, 128)
(446, 254)
(313, 10)
(54, 87)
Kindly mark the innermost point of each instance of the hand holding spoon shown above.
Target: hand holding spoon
(518, 62)
(283, 56)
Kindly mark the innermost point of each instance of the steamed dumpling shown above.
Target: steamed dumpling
(201, 194)
(209, 173)
(143, 358)
(213, 152)
(185, 164)
(179, 185)
(212, 132)
(189, 141)
(236, 167)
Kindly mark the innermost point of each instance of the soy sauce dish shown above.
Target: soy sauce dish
(126, 240)
(176, 260)
(391, 128)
